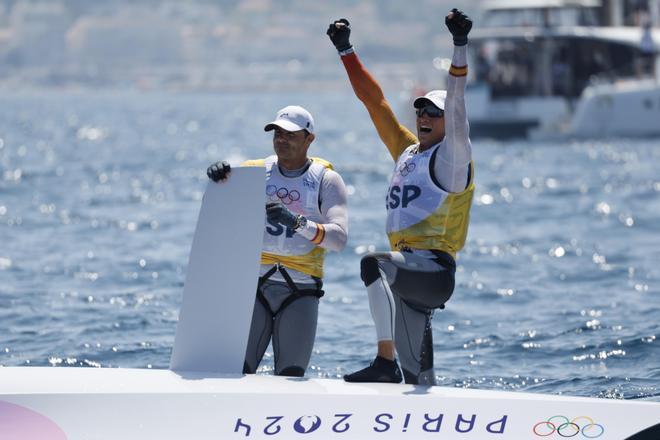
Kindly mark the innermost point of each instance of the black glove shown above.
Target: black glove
(459, 25)
(218, 171)
(278, 213)
(339, 34)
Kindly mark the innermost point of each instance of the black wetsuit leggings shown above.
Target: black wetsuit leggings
(290, 320)
(419, 286)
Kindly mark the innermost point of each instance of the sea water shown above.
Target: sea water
(558, 287)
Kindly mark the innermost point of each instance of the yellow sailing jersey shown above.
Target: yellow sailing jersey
(422, 215)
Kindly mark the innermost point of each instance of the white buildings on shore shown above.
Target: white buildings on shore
(213, 43)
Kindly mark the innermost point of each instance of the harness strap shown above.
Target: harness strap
(268, 274)
(288, 279)
(296, 296)
(297, 293)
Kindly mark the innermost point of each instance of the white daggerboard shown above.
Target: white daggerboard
(222, 276)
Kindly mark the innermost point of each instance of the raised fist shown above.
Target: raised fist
(459, 25)
(339, 31)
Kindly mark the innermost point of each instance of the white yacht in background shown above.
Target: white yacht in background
(556, 68)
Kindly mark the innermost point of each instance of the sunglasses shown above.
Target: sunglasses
(431, 110)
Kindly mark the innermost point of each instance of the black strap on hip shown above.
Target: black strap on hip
(296, 292)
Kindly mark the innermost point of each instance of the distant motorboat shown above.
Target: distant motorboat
(555, 68)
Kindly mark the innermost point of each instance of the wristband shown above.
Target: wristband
(348, 51)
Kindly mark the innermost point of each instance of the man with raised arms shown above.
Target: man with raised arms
(428, 207)
(305, 216)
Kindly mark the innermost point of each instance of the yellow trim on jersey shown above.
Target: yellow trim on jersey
(262, 162)
(311, 263)
(254, 163)
(323, 162)
(445, 229)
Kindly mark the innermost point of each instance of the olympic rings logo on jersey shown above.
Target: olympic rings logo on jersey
(565, 428)
(283, 194)
(406, 168)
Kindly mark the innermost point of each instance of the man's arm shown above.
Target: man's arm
(333, 233)
(395, 136)
(453, 161)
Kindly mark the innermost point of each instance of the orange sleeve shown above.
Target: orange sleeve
(395, 136)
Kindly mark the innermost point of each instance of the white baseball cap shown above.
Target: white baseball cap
(435, 97)
(292, 118)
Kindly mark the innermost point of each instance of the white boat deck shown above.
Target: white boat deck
(102, 403)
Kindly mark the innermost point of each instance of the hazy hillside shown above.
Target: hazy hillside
(210, 44)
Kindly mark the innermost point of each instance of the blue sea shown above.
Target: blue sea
(558, 287)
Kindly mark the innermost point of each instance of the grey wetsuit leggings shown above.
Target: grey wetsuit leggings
(418, 286)
(290, 324)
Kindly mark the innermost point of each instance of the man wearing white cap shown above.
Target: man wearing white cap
(305, 216)
(428, 207)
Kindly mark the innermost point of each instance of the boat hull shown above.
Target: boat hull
(622, 109)
(81, 403)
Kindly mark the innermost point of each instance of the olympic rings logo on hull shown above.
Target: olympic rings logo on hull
(283, 194)
(566, 428)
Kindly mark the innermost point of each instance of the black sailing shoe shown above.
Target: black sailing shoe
(380, 370)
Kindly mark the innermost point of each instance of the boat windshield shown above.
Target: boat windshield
(559, 66)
